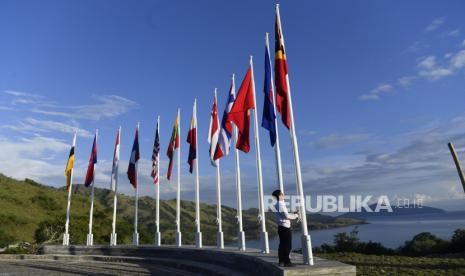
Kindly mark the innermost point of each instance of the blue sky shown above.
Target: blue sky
(378, 90)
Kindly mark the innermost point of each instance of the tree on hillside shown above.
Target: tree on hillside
(49, 231)
(457, 242)
(424, 244)
(5, 239)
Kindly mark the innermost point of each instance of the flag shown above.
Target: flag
(240, 112)
(192, 140)
(269, 115)
(114, 168)
(156, 157)
(224, 140)
(135, 156)
(174, 144)
(280, 75)
(70, 164)
(213, 131)
(92, 161)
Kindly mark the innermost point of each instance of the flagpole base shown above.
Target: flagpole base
(113, 239)
(220, 240)
(178, 239)
(157, 239)
(66, 239)
(307, 250)
(198, 240)
(90, 239)
(135, 239)
(241, 240)
(264, 242)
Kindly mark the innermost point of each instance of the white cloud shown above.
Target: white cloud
(458, 60)
(428, 62)
(429, 69)
(108, 106)
(435, 24)
(375, 93)
(406, 81)
(307, 132)
(338, 140)
(24, 98)
(436, 74)
(23, 94)
(454, 33)
(369, 97)
(31, 125)
(423, 164)
(23, 158)
(416, 47)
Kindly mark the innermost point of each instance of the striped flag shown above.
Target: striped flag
(92, 161)
(174, 144)
(280, 75)
(192, 139)
(213, 131)
(135, 156)
(269, 115)
(114, 168)
(156, 157)
(224, 140)
(70, 164)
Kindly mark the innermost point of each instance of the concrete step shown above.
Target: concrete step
(205, 261)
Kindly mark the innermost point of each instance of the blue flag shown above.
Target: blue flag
(269, 115)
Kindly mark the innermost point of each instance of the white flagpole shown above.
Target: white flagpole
(90, 236)
(277, 149)
(306, 241)
(240, 232)
(198, 234)
(178, 190)
(68, 207)
(219, 234)
(115, 196)
(135, 235)
(157, 194)
(263, 235)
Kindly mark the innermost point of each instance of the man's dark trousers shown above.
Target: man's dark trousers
(285, 244)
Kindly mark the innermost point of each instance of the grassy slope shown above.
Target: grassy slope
(24, 204)
(400, 265)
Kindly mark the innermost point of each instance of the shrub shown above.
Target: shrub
(424, 244)
(49, 231)
(457, 242)
(5, 239)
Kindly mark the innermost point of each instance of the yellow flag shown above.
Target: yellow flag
(70, 165)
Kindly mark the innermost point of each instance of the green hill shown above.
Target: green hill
(33, 212)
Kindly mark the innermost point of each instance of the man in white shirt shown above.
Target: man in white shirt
(283, 219)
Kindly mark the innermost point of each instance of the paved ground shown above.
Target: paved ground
(57, 267)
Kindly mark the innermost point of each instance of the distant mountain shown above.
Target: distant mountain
(24, 205)
(406, 210)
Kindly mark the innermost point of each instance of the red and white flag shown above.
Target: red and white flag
(213, 131)
(114, 169)
(156, 157)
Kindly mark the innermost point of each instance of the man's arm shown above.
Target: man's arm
(283, 209)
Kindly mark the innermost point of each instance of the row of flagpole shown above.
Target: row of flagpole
(235, 123)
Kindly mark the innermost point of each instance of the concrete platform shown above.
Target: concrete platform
(190, 260)
(165, 260)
